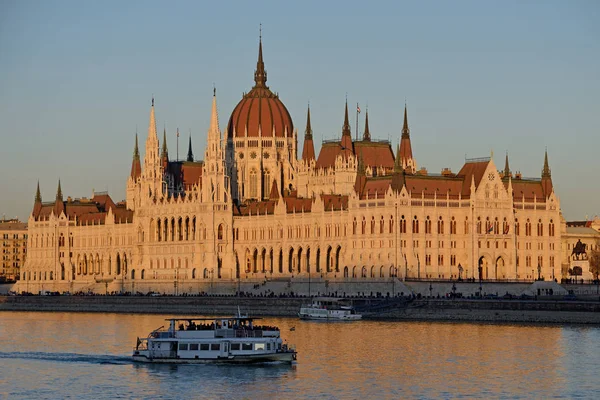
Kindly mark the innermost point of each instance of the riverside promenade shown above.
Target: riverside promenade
(544, 311)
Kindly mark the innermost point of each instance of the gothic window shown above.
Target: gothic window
(440, 226)
(266, 183)
(253, 184)
(428, 225)
(381, 225)
(551, 228)
(372, 225)
(415, 225)
(354, 223)
(220, 232)
(479, 225)
(528, 228)
(364, 226)
(540, 229)
(453, 227)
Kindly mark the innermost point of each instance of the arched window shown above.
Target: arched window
(440, 226)
(551, 228)
(372, 225)
(427, 225)
(253, 184)
(415, 225)
(381, 225)
(266, 183)
(220, 232)
(364, 226)
(354, 224)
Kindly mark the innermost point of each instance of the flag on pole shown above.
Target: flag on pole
(490, 229)
(357, 108)
(177, 132)
(506, 229)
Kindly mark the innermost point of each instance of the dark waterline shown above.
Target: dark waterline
(85, 355)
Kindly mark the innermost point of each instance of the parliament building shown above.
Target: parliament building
(254, 210)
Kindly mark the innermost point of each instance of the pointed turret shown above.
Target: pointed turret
(38, 195)
(546, 177)
(59, 195)
(346, 142)
(546, 169)
(136, 168)
(190, 155)
(59, 206)
(274, 195)
(398, 177)
(152, 124)
(308, 149)
(164, 155)
(367, 134)
(406, 155)
(260, 75)
(506, 167)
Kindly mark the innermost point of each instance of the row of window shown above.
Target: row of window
(217, 346)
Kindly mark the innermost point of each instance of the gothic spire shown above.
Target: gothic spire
(406, 155)
(346, 142)
(405, 130)
(38, 195)
(546, 170)
(260, 75)
(308, 149)
(165, 153)
(506, 168)
(214, 115)
(152, 124)
(346, 127)
(190, 155)
(367, 134)
(136, 169)
(59, 196)
(136, 150)
(398, 161)
(308, 131)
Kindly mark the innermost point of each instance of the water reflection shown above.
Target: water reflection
(57, 355)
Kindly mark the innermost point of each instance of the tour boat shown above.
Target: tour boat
(209, 340)
(328, 309)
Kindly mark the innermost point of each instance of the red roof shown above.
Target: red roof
(260, 108)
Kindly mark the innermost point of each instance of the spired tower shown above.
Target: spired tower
(406, 156)
(152, 175)
(261, 142)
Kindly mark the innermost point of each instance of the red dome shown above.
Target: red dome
(261, 108)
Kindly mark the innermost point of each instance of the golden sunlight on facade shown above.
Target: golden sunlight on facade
(251, 209)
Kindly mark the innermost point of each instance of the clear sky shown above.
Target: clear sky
(77, 77)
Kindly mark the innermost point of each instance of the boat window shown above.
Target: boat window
(259, 346)
(268, 346)
(194, 346)
(203, 346)
(215, 346)
(235, 346)
(246, 346)
(183, 346)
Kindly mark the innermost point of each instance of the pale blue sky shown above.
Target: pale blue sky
(76, 78)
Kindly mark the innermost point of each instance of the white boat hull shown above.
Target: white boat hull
(351, 317)
(284, 357)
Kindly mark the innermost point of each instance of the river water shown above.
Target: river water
(85, 355)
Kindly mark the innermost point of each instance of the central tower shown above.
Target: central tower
(261, 141)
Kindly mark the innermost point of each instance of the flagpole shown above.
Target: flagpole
(177, 144)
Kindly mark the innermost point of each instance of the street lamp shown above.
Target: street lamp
(430, 290)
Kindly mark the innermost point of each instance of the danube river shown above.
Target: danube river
(83, 355)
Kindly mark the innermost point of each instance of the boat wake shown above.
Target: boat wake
(68, 357)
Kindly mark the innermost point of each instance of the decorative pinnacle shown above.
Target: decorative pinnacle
(506, 168)
(308, 131)
(346, 126)
(165, 152)
(59, 195)
(136, 150)
(260, 75)
(546, 170)
(398, 161)
(405, 130)
(38, 195)
(367, 134)
(190, 155)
